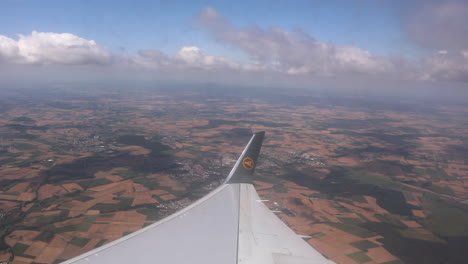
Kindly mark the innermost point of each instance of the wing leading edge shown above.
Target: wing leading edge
(229, 225)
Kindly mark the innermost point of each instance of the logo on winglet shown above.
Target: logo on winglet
(248, 163)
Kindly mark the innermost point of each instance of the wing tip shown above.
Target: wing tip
(260, 133)
(245, 165)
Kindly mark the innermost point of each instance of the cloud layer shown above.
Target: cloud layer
(299, 53)
(292, 52)
(271, 51)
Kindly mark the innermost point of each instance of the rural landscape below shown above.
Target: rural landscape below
(368, 179)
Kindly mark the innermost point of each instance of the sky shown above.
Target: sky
(374, 43)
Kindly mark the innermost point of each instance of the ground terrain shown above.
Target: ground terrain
(369, 179)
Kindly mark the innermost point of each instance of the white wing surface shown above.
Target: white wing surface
(229, 225)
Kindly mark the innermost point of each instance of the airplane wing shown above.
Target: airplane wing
(230, 225)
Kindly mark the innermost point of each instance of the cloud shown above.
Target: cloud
(151, 59)
(298, 53)
(446, 66)
(65, 48)
(439, 25)
(8, 49)
(186, 57)
(52, 48)
(293, 52)
(196, 57)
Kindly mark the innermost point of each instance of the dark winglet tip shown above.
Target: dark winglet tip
(245, 165)
(260, 133)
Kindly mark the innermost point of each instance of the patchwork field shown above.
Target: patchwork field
(368, 180)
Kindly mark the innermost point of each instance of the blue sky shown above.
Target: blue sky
(423, 40)
(167, 25)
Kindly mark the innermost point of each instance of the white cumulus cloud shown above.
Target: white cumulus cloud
(8, 49)
(52, 48)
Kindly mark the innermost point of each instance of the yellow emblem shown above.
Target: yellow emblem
(248, 163)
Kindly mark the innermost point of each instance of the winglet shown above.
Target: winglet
(245, 165)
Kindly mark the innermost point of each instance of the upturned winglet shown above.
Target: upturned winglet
(245, 165)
